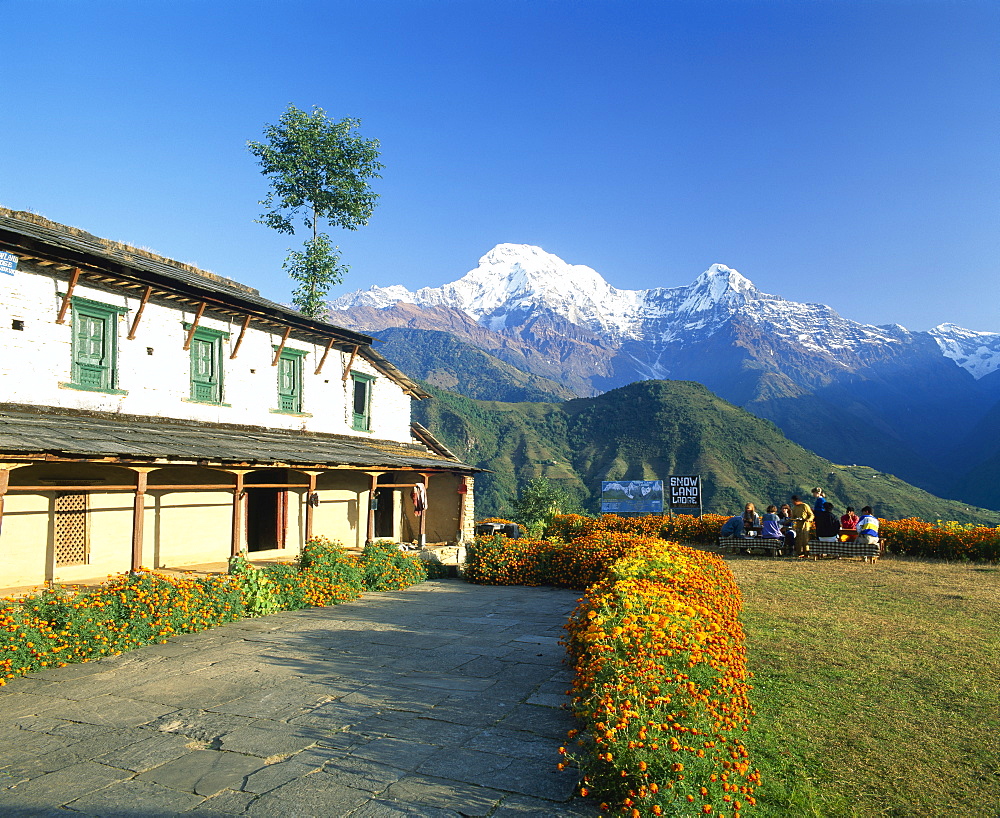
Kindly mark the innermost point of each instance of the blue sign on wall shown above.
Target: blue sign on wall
(632, 496)
(8, 263)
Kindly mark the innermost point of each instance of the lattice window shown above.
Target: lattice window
(72, 544)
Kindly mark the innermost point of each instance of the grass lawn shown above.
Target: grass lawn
(877, 688)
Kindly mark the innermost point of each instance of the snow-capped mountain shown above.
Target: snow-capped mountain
(855, 393)
(514, 283)
(976, 352)
(516, 279)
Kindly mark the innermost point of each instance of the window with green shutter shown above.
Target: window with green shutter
(206, 365)
(290, 381)
(362, 402)
(95, 345)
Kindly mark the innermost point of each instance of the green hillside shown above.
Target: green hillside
(650, 430)
(440, 359)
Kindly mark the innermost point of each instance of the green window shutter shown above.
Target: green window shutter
(361, 402)
(95, 334)
(290, 381)
(204, 371)
(206, 365)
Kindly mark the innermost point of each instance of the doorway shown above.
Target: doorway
(385, 518)
(267, 511)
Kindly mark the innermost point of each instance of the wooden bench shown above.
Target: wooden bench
(751, 545)
(870, 552)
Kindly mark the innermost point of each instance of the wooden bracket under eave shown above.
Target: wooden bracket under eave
(243, 331)
(138, 315)
(329, 345)
(281, 346)
(61, 318)
(194, 326)
(350, 363)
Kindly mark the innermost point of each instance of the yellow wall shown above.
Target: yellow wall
(187, 528)
(24, 540)
(342, 514)
(191, 527)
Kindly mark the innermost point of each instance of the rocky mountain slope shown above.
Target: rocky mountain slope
(904, 402)
(650, 430)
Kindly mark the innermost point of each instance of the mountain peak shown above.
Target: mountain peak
(718, 284)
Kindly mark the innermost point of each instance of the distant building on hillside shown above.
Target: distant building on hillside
(153, 414)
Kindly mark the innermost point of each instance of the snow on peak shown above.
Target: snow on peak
(976, 352)
(718, 284)
(523, 275)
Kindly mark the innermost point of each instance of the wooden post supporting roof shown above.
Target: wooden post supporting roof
(423, 514)
(310, 508)
(239, 504)
(373, 487)
(4, 482)
(138, 512)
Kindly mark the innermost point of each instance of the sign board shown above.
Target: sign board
(632, 496)
(8, 263)
(685, 491)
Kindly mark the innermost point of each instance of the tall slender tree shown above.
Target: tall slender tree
(319, 170)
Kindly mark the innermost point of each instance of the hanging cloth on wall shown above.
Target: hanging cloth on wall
(419, 497)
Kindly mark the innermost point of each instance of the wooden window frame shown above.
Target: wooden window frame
(108, 315)
(214, 337)
(361, 421)
(290, 403)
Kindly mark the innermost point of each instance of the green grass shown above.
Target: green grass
(877, 688)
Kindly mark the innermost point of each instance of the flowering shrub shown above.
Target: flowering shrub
(385, 568)
(57, 626)
(497, 560)
(949, 540)
(661, 681)
(661, 685)
(680, 528)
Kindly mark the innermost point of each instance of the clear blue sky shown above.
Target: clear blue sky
(838, 152)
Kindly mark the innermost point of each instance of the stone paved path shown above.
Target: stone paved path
(440, 700)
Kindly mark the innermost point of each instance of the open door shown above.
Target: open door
(267, 511)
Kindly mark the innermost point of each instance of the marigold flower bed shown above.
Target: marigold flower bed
(57, 626)
(660, 672)
(948, 540)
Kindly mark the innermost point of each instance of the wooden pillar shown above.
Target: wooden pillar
(4, 482)
(373, 487)
(309, 503)
(463, 489)
(239, 502)
(423, 516)
(137, 519)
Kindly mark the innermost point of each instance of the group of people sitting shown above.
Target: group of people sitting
(794, 524)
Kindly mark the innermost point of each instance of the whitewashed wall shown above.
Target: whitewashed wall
(154, 368)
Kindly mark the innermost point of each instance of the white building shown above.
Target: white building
(153, 414)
